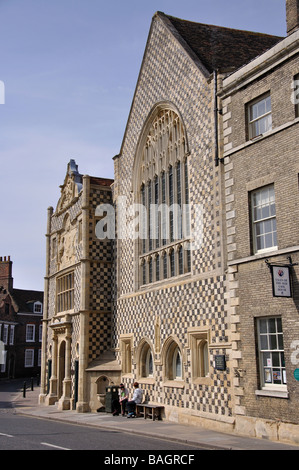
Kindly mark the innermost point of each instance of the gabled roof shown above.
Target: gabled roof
(220, 48)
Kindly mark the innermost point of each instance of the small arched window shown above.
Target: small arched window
(146, 361)
(173, 362)
(177, 364)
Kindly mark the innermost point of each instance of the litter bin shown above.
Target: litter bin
(111, 394)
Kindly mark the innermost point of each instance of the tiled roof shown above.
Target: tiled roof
(220, 48)
(24, 299)
(101, 181)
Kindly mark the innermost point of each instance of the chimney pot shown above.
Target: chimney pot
(292, 14)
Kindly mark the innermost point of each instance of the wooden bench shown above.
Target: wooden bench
(149, 410)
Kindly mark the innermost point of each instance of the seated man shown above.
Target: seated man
(137, 398)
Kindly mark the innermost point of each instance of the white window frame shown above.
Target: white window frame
(5, 334)
(263, 220)
(12, 335)
(38, 307)
(258, 117)
(30, 333)
(268, 369)
(29, 358)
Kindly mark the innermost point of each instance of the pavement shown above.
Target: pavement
(192, 435)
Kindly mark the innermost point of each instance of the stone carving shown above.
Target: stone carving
(71, 187)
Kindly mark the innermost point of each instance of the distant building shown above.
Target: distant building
(21, 313)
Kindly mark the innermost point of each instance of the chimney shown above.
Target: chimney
(6, 280)
(292, 12)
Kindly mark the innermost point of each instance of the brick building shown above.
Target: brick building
(21, 313)
(261, 142)
(179, 295)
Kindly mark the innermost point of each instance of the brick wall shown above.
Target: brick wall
(249, 165)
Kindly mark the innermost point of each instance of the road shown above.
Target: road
(26, 433)
(18, 432)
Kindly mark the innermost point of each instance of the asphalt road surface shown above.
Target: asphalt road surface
(26, 433)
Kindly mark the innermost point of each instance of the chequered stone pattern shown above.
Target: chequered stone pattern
(100, 286)
(100, 275)
(169, 75)
(99, 334)
(100, 279)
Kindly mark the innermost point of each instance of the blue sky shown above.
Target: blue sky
(70, 69)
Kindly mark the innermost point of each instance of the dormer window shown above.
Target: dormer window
(37, 307)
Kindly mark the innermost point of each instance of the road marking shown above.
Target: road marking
(52, 445)
(6, 435)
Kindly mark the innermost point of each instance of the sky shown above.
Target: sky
(68, 73)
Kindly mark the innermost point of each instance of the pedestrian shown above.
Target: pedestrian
(123, 398)
(137, 398)
(119, 405)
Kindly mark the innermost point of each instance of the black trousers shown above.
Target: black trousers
(119, 407)
(131, 406)
(123, 405)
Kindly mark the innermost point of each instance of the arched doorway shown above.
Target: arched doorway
(61, 368)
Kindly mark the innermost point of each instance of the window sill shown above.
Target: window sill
(272, 393)
(202, 380)
(146, 380)
(261, 137)
(174, 384)
(264, 255)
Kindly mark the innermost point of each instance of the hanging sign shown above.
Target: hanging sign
(281, 281)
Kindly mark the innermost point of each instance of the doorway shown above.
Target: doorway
(61, 368)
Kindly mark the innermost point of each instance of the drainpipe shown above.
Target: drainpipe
(216, 119)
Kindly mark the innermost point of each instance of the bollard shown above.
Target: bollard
(31, 384)
(24, 390)
(37, 380)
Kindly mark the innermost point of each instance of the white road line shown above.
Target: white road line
(6, 435)
(52, 445)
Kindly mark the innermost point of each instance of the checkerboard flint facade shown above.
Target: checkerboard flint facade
(199, 300)
(183, 332)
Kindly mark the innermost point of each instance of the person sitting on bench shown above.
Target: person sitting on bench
(136, 399)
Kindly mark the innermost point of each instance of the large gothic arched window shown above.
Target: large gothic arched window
(163, 190)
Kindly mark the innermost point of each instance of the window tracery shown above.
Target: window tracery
(163, 189)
